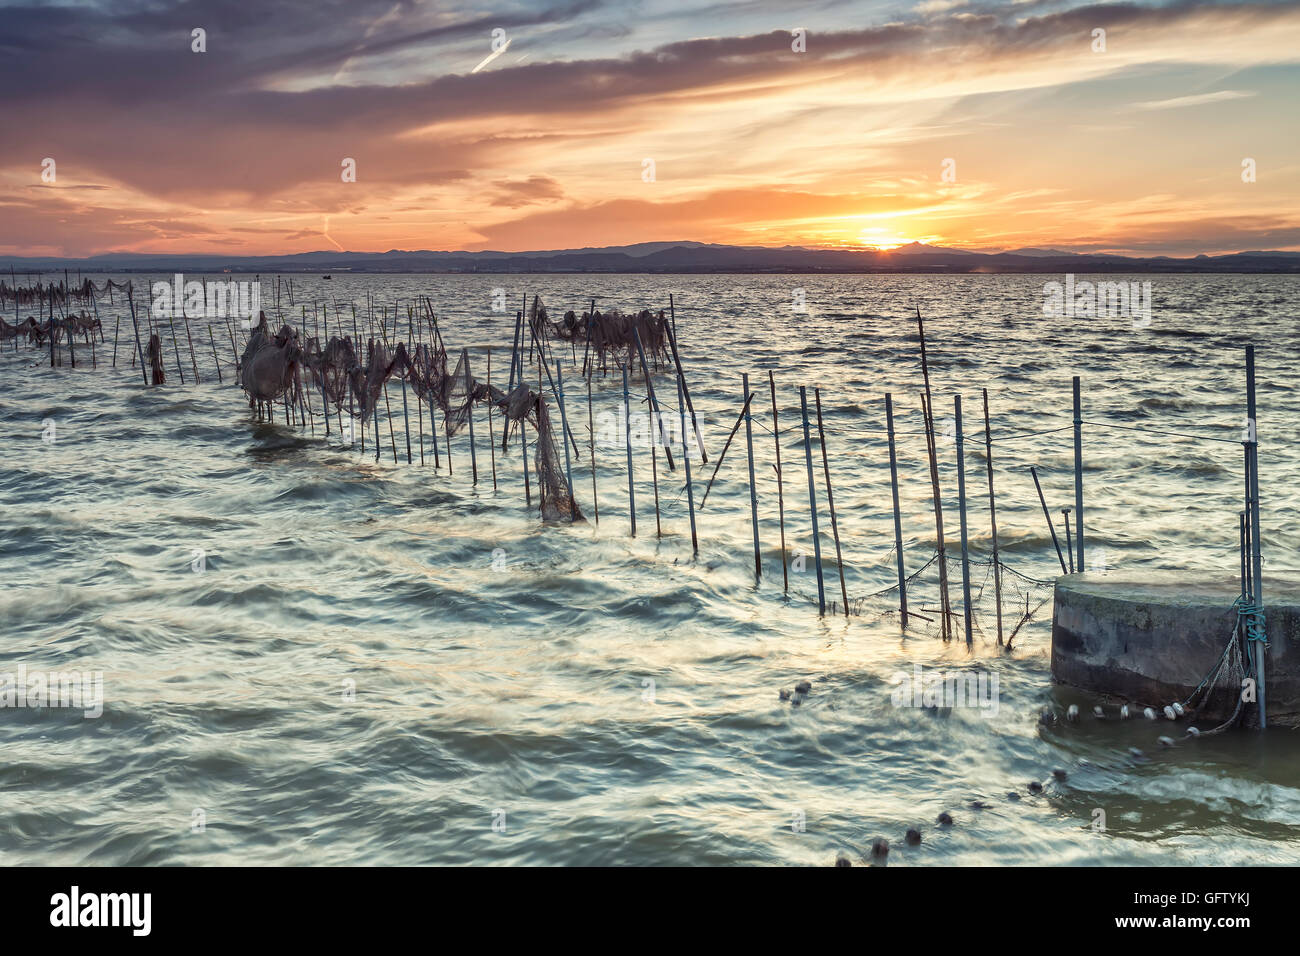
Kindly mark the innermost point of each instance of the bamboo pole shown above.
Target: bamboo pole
(215, 360)
(780, 483)
(753, 489)
(1048, 515)
(176, 349)
(686, 458)
(685, 390)
(469, 413)
(830, 500)
(898, 517)
(928, 409)
(723, 456)
(190, 339)
(812, 502)
(993, 514)
(1078, 472)
(654, 478)
(492, 442)
(591, 439)
(654, 404)
(586, 350)
(1069, 545)
(564, 421)
(961, 508)
(135, 323)
(627, 437)
(406, 418)
(1257, 560)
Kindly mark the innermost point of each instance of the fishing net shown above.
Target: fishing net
(155, 360)
(268, 368)
(607, 336)
(1024, 597)
(349, 386)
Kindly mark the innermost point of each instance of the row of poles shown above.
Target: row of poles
(537, 350)
(1075, 551)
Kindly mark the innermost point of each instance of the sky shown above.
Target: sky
(559, 124)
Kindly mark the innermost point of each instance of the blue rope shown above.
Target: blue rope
(1251, 617)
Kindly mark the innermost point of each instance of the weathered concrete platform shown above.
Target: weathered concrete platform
(1150, 638)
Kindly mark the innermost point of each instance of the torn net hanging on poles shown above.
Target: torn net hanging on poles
(269, 367)
(609, 335)
(356, 389)
(59, 292)
(524, 406)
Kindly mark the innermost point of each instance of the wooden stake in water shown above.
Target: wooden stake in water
(753, 489)
(961, 508)
(830, 500)
(993, 515)
(812, 502)
(627, 433)
(780, 483)
(898, 517)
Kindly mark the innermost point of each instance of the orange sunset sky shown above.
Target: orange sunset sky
(463, 140)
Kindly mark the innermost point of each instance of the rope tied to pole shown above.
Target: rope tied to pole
(1250, 617)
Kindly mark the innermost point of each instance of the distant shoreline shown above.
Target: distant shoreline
(682, 257)
(1078, 269)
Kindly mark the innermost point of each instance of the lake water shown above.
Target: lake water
(312, 657)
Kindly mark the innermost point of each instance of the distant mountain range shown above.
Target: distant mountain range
(670, 257)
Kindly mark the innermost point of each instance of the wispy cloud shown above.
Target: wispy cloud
(753, 141)
(1199, 99)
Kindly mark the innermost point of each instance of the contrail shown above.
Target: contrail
(492, 56)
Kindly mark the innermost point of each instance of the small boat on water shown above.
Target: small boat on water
(329, 277)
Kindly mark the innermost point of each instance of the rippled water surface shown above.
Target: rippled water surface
(606, 699)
